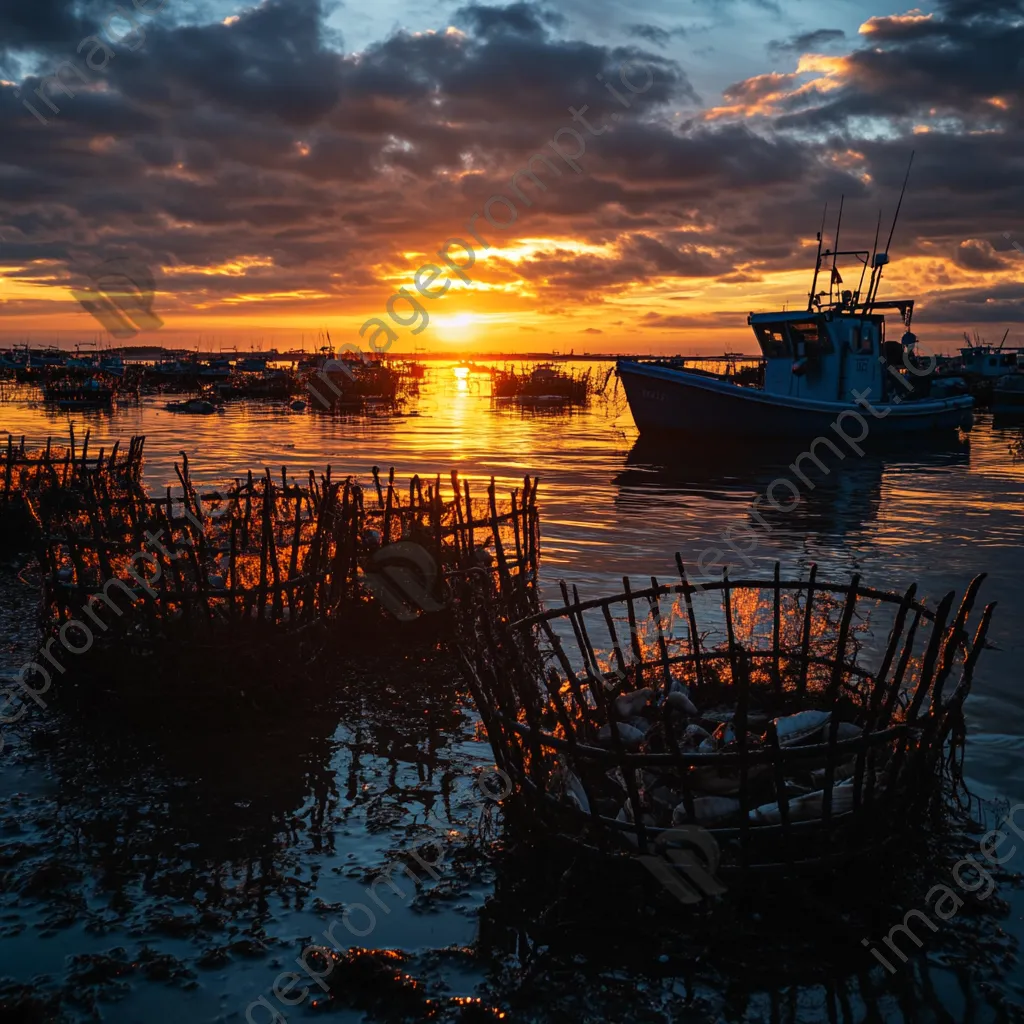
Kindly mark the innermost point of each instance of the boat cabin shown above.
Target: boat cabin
(988, 361)
(825, 355)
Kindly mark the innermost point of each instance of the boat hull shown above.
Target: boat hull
(1008, 401)
(669, 401)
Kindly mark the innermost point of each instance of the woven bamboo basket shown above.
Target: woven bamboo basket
(795, 722)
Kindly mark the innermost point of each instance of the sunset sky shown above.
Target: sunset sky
(284, 168)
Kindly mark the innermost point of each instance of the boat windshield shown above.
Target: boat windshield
(772, 339)
(808, 333)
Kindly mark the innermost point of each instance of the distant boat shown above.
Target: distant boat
(983, 362)
(193, 405)
(817, 362)
(1008, 396)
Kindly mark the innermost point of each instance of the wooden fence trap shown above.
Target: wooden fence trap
(795, 722)
(37, 481)
(235, 571)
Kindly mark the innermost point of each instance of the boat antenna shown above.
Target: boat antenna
(863, 269)
(892, 230)
(835, 249)
(817, 262)
(1003, 342)
(903, 192)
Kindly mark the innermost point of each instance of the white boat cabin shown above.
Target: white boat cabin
(826, 355)
(987, 361)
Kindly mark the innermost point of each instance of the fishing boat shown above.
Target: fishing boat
(1008, 395)
(985, 366)
(983, 362)
(197, 406)
(823, 366)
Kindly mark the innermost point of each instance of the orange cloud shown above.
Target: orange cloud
(892, 22)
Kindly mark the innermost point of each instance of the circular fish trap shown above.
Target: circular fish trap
(792, 722)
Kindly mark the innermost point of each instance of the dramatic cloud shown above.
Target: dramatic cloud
(263, 169)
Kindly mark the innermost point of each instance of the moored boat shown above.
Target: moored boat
(201, 406)
(827, 368)
(1008, 396)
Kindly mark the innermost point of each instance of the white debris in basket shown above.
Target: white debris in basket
(806, 808)
(630, 736)
(681, 703)
(706, 808)
(630, 704)
(801, 727)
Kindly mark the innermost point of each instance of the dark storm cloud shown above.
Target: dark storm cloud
(521, 19)
(999, 304)
(47, 24)
(806, 42)
(976, 254)
(214, 142)
(673, 261)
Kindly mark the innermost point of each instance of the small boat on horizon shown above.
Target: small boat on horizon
(829, 361)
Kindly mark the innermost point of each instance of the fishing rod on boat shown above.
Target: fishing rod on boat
(835, 252)
(817, 262)
(864, 267)
(883, 258)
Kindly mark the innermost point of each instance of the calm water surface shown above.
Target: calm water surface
(185, 875)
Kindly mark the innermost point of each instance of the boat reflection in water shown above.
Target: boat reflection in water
(834, 497)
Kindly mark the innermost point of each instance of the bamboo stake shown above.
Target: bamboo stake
(692, 622)
(777, 633)
(808, 622)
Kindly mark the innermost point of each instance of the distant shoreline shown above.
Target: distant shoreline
(145, 352)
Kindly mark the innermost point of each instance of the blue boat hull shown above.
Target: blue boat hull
(670, 401)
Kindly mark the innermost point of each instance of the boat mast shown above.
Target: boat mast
(817, 262)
